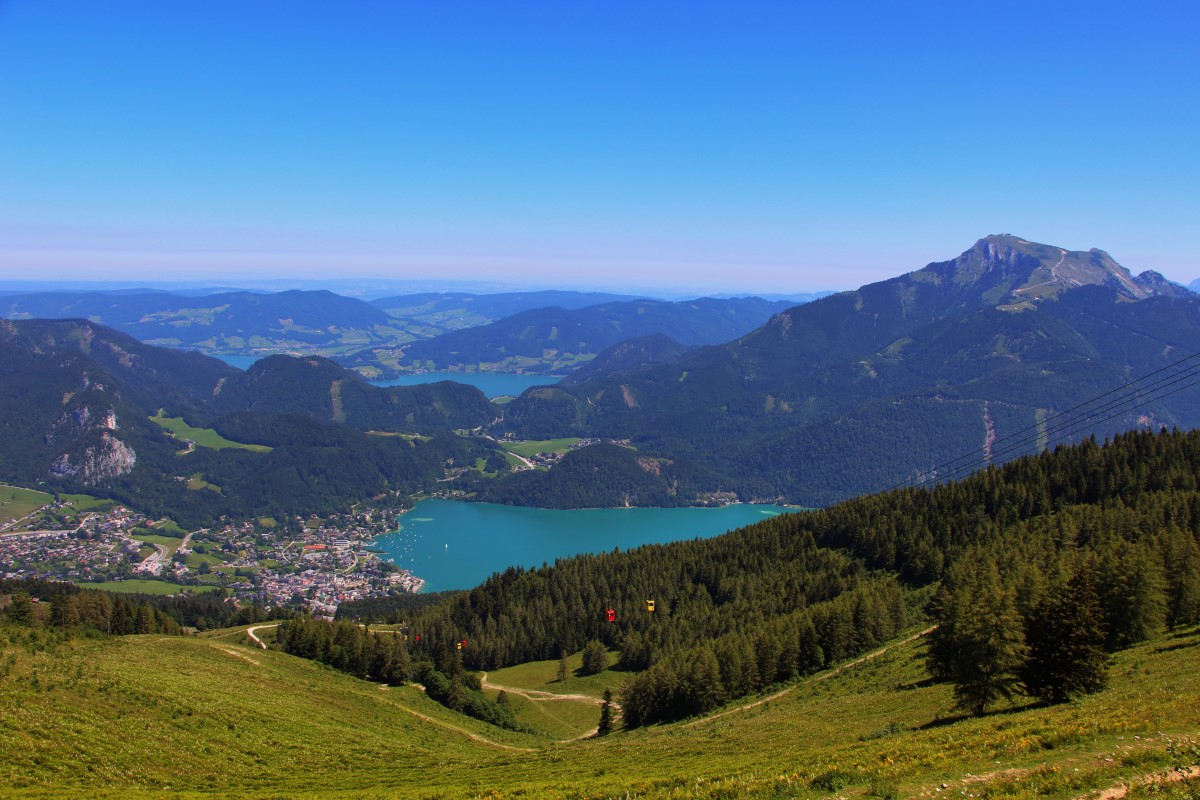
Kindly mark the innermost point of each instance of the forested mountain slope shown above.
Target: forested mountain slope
(77, 400)
(323, 390)
(628, 356)
(862, 390)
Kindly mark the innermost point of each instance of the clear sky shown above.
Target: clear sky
(728, 146)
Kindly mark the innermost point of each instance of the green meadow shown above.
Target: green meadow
(16, 502)
(156, 716)
(560, 709)
(144, 586)
(533, 447)
(203, 437)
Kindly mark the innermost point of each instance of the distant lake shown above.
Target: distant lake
(492, 384)
(241, 362)
(457, 545)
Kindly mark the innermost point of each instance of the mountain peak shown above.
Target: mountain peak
(1015, 271)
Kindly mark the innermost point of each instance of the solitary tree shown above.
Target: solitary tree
(991, 650)
(562, 666)
(595, 658)
(605, 726)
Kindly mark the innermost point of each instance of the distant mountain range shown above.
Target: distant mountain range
(234, 322)
(450, 311)
(556, 340)
(858, 391)
(519, 331)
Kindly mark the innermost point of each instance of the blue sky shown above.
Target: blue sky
(767, 147)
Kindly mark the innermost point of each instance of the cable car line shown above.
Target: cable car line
(1136, 392)
(1072, 426)
(1123, 388)
(1075, 427)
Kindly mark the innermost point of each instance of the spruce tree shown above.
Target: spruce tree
(979, 644)
(20, 609)
(991, 649)
(605, 726)
(1066, 637)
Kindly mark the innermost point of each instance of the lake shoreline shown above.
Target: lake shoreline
(454, 544)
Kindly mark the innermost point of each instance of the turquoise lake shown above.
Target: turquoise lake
(456, 545)
(492, 384)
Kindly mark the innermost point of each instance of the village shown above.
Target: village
(306, 563)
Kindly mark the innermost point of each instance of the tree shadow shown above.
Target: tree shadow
(941, 722)
(1167, 648)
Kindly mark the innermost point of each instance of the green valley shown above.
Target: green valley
(238, 721)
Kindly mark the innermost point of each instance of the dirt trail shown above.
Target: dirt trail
(1122, 789)
(537, 695)
(1053, 275)
(826, 676)
(473, 736)
(242, 656)
(255, 639)
(1102, 759)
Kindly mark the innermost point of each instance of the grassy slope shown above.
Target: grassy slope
(133, 716)
(203, 437)
(566, 710)
(533, 447)
(142, 586)
(224, 719)
(16, 502)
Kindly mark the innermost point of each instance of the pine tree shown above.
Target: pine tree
(979, 645)
(700, 686)
(64, 612)
(1065, 634)
(605, 726)
(20, 609)
(1133, 598)
(991, 649)
(595, 658)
